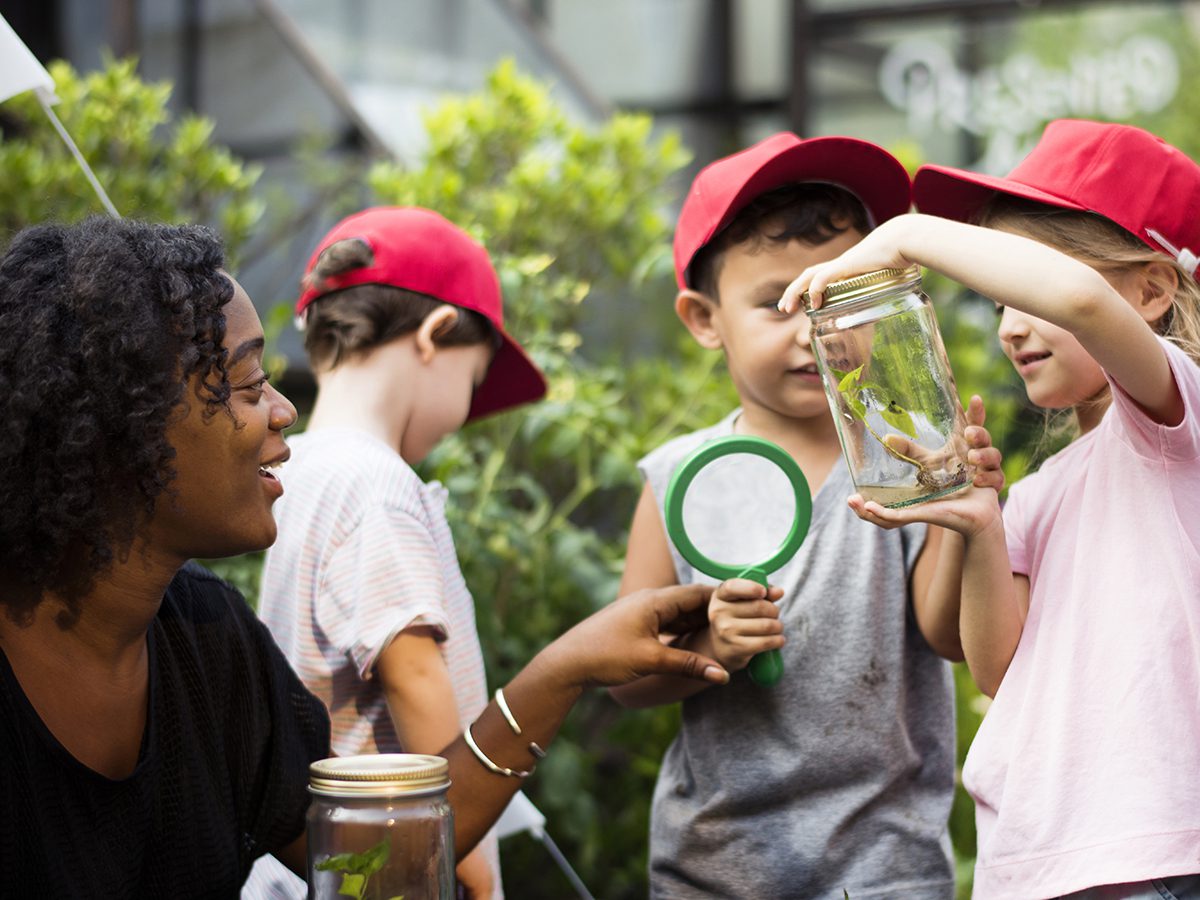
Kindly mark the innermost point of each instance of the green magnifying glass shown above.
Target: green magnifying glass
(766, 668)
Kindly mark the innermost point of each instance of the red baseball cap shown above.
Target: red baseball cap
(419, 250)
(1122, 173)
(723, 188)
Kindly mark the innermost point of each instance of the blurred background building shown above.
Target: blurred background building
(938, 77)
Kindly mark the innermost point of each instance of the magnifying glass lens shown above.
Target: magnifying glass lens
(742, 520)
(739, 509)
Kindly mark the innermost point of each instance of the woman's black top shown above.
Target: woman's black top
(220, 778)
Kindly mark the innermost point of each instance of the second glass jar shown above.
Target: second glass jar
(890, 388)
(380, 827)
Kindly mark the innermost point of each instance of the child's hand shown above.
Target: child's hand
(878, 250)
(969, 512)
(981, 454)
(743, 622)
(966, 512)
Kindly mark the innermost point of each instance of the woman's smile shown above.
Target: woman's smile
(271, 483)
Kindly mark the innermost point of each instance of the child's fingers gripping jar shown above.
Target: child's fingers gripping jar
(890, 388)
(380, 826)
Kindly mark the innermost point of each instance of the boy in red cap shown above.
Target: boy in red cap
(404, 328)
(1079, 605)
(839, 777)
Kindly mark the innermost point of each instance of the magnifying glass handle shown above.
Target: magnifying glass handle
(766, 668)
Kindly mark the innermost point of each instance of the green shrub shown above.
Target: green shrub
(152, 164)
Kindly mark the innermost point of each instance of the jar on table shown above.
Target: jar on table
(380, 827)
(890, 388)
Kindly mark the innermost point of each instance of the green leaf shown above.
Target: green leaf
(357, 865)
(371, 861)
(849, 379)
(336, 863)
(353, 885)
(856, 406)
(899, 418)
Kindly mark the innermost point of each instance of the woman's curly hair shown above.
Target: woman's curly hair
(101, 326)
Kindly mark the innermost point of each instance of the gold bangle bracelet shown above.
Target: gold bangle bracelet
(536, 751)
(482, 757)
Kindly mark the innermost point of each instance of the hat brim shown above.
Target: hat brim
(960, 195)
(869, 172)
(512, 380)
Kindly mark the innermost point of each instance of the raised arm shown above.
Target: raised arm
(1033, 278)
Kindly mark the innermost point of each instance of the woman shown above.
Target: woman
(155, 740)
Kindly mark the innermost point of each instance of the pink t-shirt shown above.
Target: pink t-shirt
(1086, 770)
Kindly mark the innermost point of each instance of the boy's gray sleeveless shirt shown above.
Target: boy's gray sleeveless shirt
(841, 776)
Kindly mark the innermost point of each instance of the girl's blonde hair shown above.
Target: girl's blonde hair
(1106, 247)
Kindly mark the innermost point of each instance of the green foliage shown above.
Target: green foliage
(508, 163)
(152, 165)
(357, 869)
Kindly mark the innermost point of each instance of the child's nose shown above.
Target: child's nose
(803, 329)
(1013, 325)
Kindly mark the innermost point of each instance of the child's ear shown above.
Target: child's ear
(697, 312)
(437, 323)
(1157, 287)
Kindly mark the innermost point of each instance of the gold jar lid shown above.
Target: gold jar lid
(379, 775)
(869, 283)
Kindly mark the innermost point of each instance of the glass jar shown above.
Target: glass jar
(380, 827)
(890, 388)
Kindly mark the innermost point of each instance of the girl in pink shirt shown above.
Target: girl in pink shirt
(1081, 607)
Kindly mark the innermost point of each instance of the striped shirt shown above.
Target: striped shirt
(364, 552)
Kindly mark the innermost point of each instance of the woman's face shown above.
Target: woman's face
(219, 503)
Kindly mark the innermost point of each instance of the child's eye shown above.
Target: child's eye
(999, 310)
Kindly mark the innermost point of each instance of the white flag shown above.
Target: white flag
(19, 69)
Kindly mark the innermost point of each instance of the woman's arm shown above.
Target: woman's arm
(616, 645)
(1028, 276)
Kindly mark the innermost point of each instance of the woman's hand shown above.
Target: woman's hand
(744, 622)
(621, 642)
